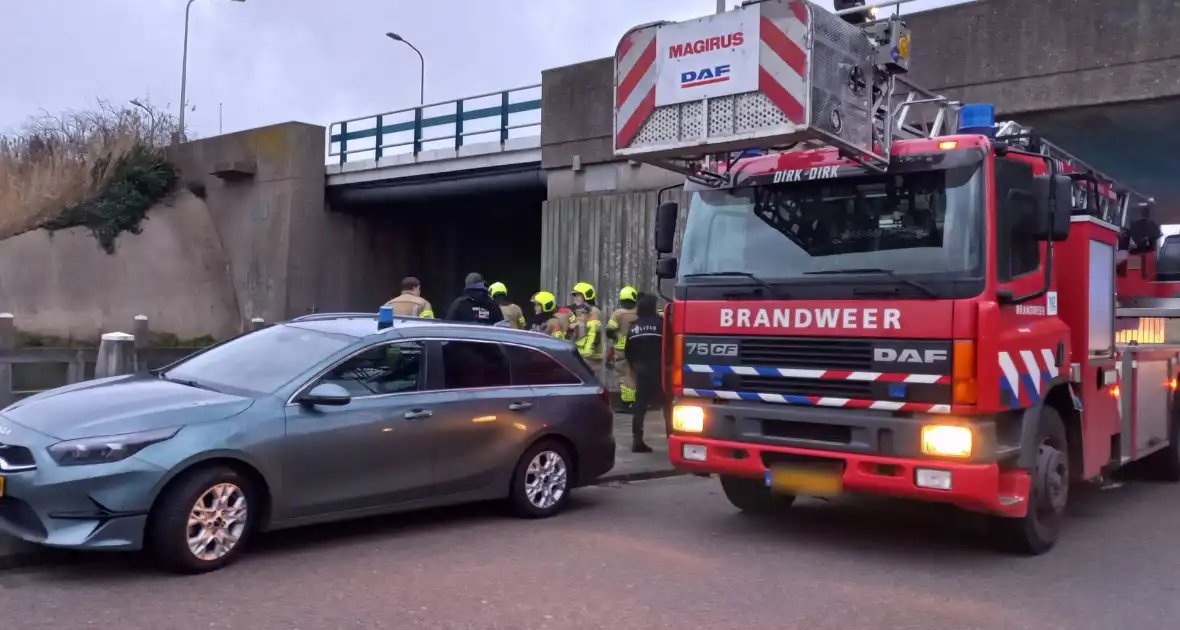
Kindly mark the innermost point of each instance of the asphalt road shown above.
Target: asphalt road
(659, 554)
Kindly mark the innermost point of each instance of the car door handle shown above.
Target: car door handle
(520, 406)
(418, 414)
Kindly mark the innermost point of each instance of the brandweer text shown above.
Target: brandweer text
(866, 318)
(733, 40)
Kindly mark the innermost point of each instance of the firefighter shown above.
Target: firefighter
(512, 313)
(410, 302)
(643, 352)
(616, 330)
(475, 306)
(586, 324)
(545, 317)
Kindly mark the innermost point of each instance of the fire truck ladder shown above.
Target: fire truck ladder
(908, 120)
(1024, 138)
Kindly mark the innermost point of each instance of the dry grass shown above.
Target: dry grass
(56, 162)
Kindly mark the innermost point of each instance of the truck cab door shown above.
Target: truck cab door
(1031, 340)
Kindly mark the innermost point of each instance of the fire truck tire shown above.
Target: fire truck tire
(1165, 464)
(1037, 531)
(753, 497)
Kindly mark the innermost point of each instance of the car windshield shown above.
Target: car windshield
(261, 361)
(920, 222)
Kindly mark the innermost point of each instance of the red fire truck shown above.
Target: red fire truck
(879, 290)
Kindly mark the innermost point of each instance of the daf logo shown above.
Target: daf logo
(908, 355)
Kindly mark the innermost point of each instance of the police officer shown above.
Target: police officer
(586, 322)
(644, 348)
(475, 306)
(616, 330)
(410, 302)
(545, 318)
(512, 313)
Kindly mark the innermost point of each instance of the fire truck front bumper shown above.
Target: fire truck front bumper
(869, 452)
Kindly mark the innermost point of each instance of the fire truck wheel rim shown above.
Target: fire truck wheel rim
(1053, 478)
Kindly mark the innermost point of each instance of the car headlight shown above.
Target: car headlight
(942, 440)
(104, 450)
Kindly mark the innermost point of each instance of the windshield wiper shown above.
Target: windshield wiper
(744, 274)
(185, 382)
(887, 272)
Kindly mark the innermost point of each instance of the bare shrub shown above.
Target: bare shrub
(58, 162)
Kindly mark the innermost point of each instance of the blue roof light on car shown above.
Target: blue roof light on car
(384, 317)
(978, 118)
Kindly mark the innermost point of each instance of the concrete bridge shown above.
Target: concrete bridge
(523, 186)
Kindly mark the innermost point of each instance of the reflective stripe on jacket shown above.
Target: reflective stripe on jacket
(410, 305)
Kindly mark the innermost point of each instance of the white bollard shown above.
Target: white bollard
(116, 355)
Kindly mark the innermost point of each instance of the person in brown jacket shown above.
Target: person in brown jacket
(512, 313)
(410, 302)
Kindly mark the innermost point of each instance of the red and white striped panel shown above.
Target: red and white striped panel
(635, 83)
(782, 60)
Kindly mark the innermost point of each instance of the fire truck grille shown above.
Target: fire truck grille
(806, 387)
(807, 353)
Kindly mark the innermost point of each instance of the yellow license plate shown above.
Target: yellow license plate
(1, 486)
(814, 481)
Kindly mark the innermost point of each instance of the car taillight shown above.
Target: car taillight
(604, 395)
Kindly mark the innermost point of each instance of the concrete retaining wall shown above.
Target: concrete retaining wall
(175, 272)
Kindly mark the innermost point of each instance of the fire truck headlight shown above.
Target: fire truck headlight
(946, 441)
(688, 419)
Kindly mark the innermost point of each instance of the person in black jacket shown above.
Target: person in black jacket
(475, 306)
(644, 349)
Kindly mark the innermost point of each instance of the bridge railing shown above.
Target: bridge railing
(491, 117)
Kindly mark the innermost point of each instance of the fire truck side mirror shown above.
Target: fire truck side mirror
(1055, 228)
(666, 268)
(665, 236)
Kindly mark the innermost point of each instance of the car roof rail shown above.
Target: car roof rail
(316, 317)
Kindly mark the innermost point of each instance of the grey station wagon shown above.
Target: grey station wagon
(318, 419)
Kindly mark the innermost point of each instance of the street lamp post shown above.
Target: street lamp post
(184, 70)
(421, 66)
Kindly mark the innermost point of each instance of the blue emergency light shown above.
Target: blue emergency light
(978, 118)
(384, 317)
(737, 155)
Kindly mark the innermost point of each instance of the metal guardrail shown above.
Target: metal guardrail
(345, 137)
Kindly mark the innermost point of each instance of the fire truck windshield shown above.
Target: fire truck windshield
(926, 223)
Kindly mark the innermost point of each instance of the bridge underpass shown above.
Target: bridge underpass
(444, 190)
(1135, 143)
(1113, 106)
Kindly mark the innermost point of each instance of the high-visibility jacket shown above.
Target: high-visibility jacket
(587, 324)
(410, 305)
(513, 315)
(620, 324)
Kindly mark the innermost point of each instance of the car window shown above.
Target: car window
(469, 364)
(261, 361)
(388, 369)
(533, 367)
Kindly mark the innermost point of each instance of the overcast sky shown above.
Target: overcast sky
(314, 61)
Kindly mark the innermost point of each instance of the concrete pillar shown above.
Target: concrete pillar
(116, 355)
(142, 332)
(7, 342)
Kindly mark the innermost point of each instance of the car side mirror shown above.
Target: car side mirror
(665, 233)
(1042, 227)
(327, 395)
(666, 268)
